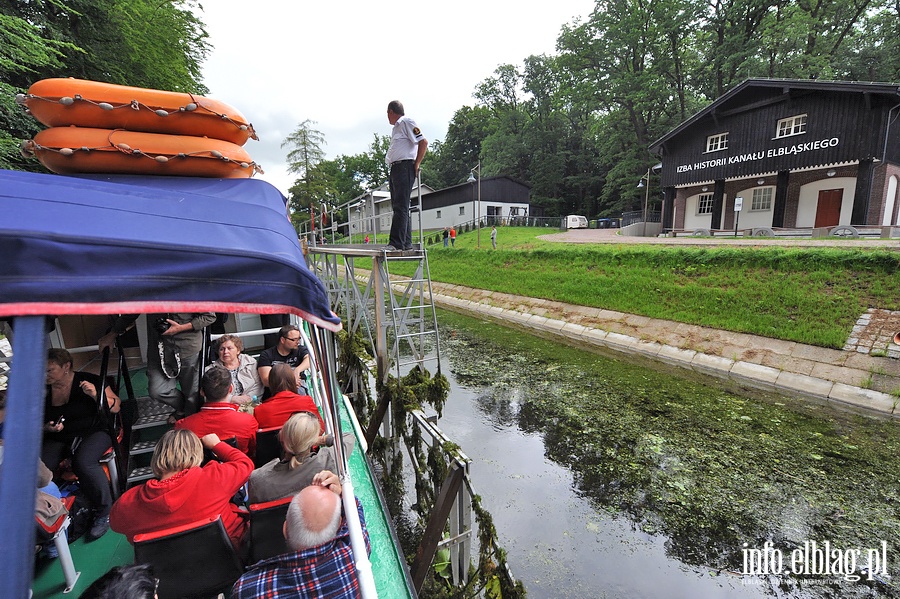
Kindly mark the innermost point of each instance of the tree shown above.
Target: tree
(451, 160)
(24, 51)
(145, 43)
(305, 153)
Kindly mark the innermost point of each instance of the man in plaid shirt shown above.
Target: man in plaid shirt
(322, 564)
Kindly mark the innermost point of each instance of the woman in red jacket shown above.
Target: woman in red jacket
(183, 491)
(285, 401)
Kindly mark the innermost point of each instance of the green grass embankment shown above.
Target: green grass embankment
(810, 295)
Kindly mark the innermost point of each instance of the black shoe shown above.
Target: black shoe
(98, 529)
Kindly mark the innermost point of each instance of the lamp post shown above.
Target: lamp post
(471, 179)
(646, 198)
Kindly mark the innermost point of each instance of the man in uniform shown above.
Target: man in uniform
(404, 156)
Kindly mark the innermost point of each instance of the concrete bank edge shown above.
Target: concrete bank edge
(756, 376)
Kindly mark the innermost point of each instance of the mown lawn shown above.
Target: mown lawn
(810, 295)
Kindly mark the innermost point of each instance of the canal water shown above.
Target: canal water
(612, 479)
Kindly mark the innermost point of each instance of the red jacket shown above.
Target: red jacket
(190, 495)
(276, 410)
(223, 419)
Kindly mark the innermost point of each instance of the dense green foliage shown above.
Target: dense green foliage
(810, 295)
(144, 43)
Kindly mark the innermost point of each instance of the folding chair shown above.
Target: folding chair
(56, 532)
(266, 529)
(196, 559)
(268, 446)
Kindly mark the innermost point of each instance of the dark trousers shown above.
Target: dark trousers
(86, 465)
(402, 177)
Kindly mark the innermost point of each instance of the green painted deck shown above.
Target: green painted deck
(95, 559)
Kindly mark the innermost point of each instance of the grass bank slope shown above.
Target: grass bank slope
(808, 295)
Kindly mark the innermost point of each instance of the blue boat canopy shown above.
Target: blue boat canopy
(109, 245)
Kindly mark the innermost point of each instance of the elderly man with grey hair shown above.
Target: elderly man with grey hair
(321, 563)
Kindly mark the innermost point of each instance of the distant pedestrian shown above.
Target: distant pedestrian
(446, 236)
(367, 239)
(452, 236)
(494, 237)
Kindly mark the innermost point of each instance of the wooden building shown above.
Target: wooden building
(798, 153)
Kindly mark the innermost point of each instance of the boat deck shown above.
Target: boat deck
(96, 558)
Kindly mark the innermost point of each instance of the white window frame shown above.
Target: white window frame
(704, 198)
(790, 126)
(717, 142)
(762, 199)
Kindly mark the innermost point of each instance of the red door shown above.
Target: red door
(828, 209)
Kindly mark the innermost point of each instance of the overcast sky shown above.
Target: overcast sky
(339, 62)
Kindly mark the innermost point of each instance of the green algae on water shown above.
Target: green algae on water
(713, 471)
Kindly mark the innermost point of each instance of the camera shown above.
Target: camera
(161, 325)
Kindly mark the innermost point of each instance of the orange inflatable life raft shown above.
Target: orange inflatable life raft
(70, 150)
(62, 102)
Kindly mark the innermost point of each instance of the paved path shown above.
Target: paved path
(864, 375)
(613, 236)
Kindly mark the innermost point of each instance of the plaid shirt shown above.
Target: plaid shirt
(323, 572)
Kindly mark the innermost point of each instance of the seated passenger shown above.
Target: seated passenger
(280, 478)
(288, 351)
(183, 491)
(275, 411)
(72, 419)
(219, 414)
(244, 376)
(134, 581)
(322, 563)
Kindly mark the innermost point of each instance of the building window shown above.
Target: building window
(438, 213)
(714, 143)
(762, 199)
(462, 210)
(705, 203)
(794, 125)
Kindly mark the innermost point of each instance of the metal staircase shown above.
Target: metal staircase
(413, 319)
(394, 312)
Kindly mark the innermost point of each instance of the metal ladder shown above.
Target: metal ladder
(413, 321)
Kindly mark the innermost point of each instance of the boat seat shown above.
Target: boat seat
(194, 559)
(266, 529)
(268, 446)
(56, 532)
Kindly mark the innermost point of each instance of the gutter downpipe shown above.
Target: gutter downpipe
(887, 132)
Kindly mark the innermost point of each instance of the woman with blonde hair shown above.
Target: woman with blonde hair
(183, 490)
(305, 455)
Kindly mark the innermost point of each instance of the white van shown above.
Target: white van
(573, 221)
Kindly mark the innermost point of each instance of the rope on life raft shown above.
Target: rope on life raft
(193, 106)
(29, 148)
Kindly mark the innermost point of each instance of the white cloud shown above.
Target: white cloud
(339, 63)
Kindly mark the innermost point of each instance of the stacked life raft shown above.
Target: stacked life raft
(99, 127)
